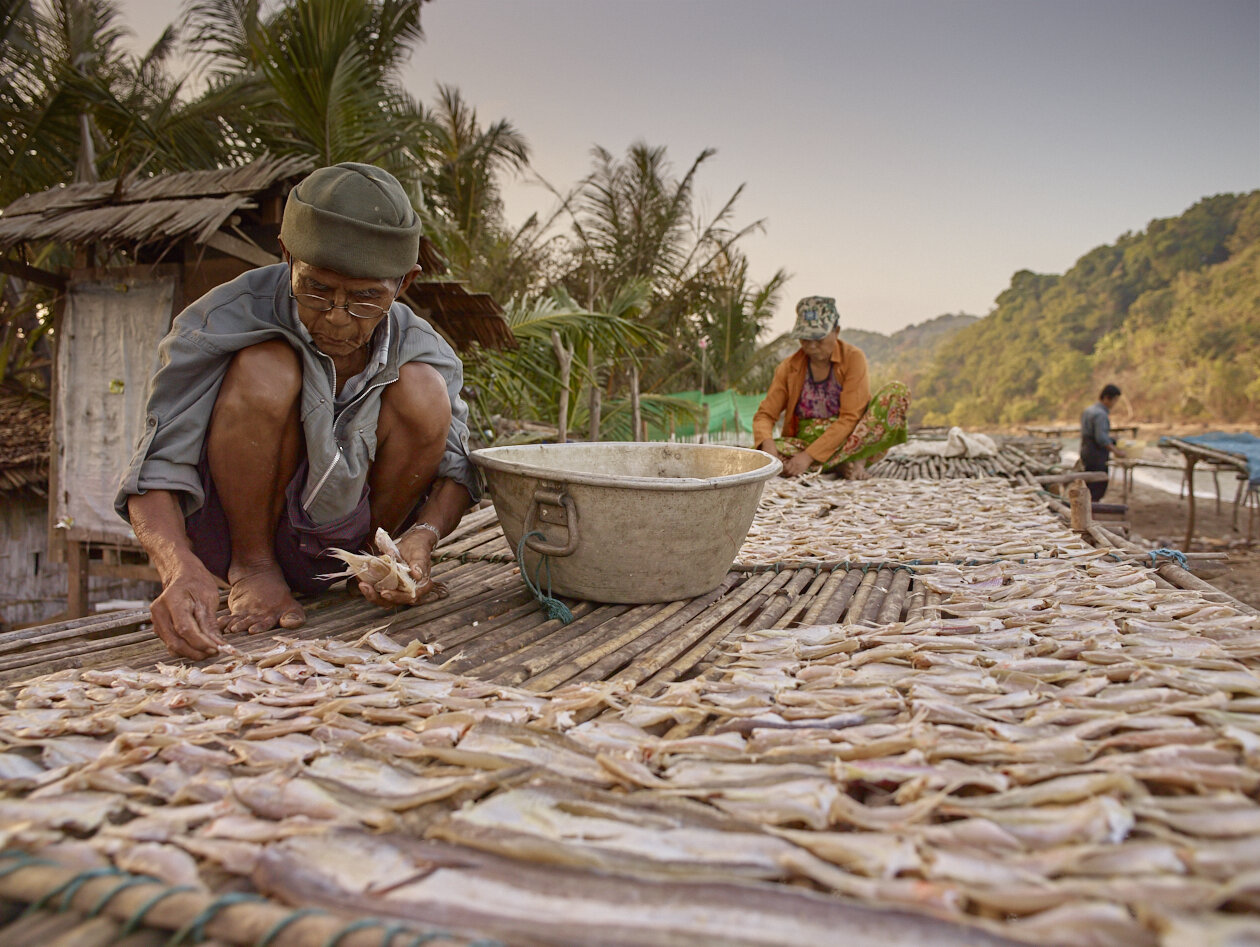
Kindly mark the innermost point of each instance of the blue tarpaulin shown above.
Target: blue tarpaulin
(1246, 444)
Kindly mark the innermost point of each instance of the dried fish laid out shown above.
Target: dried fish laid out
(1057, 752)
(813, 517)
(1066, 751)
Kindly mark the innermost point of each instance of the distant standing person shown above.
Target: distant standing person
(1096, 440)
(832, 422)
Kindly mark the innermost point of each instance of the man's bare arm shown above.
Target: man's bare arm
(184, 614)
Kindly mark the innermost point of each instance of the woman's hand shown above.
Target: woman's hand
(797, 464)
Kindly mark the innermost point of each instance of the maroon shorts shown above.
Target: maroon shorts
(300, 545)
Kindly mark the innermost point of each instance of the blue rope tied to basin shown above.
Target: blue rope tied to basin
(553, 607)
(1176, 555)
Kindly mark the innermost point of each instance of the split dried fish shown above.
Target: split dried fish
(386, 570)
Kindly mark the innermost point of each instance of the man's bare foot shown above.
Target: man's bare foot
(260, 600)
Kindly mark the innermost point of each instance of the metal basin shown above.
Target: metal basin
(627, 522)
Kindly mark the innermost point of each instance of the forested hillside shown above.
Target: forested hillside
(1171, 314)
(908, 353)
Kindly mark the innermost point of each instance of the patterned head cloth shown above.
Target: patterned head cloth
(815, 317)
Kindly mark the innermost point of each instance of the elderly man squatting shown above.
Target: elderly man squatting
(295, 408)
(833, 423)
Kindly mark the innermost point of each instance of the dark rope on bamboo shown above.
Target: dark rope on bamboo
(281, 925)
(196, 926)
(136, 919)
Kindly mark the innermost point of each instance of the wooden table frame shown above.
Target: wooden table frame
(1193, 454)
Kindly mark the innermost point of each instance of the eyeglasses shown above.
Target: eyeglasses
(322, 304)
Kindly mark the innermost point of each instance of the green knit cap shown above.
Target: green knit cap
(354, 219)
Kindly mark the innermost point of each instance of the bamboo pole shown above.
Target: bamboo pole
(1176, 575)
(538, 671)
(932, 604)
(506, 643)
(587, 659)
(914, 610)
(640, 670)
(1079, 507)
(875, 600)
(1190, 461)
(61, 653)
(21, 638)
(237, 923)
(536, 649)
(890, 612)
(636, 413)
(798, 608)
(677, 645)
(777, 599)
(471, 522)
(860, 596)
(526, 616)
(712, 666)
(830, 613)
(835, 580)
(564, 360)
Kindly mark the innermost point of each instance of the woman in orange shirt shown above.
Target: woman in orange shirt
(832, 422)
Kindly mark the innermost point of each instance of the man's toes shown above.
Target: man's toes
(293, 618)
(257, 624)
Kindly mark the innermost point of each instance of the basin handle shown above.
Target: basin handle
(552, 498)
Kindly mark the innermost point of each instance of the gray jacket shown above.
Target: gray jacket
(1096, 439)
(253, 308)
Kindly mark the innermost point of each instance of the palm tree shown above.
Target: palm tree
(737, 312)
(317, 77)
(633, 220)
(467, 160)
(52, 58)
(537, 380)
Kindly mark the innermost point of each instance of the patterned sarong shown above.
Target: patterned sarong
(882, 426)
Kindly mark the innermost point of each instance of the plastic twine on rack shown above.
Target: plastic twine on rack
(552, 606)
(194, 932)
(1175, 555)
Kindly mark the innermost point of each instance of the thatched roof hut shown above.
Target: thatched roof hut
(24, 425)
(215, 224)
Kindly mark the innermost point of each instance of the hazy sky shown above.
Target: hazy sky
(907, 156)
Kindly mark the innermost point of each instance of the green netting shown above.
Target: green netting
(728, 411)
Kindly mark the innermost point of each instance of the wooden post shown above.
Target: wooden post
(77, 567)
(636, 413)
(564, 359)
(1185, 547)
(1081, 508)
(596, 392)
